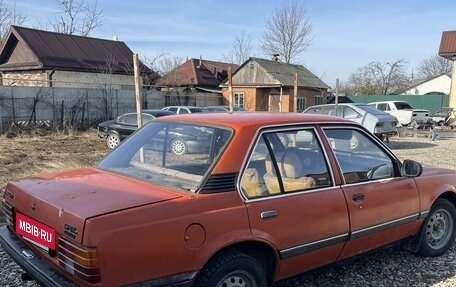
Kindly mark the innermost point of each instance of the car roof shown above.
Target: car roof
(253, 119)
(158, 112)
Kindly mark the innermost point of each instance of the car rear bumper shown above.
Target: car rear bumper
(37, 268)
(48, 276)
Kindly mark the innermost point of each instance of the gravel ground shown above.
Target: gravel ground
(386, 267)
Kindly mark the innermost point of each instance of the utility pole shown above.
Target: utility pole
(137, 89)
(230, 88)
(295, 100)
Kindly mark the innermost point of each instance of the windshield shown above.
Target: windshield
(175, 155)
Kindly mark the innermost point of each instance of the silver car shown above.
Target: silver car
(377, 122)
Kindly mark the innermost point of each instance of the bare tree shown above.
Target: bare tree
(241, 51)
(78, 17)
(287, 31)
(378, 78)
(40, 96)
(9, 15)
(433, 66)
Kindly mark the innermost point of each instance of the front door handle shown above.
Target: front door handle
(268, 214)
(358, 197)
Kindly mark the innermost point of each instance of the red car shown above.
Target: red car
(273, 196)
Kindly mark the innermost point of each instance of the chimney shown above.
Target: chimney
(275, 57)
(200, 62)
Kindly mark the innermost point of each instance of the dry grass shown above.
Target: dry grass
(29, 155)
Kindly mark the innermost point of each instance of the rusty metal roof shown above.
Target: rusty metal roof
(282, 74)
(448, 45)
(197, 72)
(30, 49)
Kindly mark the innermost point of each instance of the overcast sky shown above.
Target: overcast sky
(346, 34)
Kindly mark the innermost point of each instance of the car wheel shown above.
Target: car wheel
(233, 269)
(179, 146)
(438, 231)
(354, 142)
(112, 140)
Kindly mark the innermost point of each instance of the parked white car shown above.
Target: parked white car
(377, 122)
(403, 111)
(185, 109)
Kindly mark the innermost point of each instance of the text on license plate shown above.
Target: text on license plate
(36, 232)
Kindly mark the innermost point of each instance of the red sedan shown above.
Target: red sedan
(272, 196)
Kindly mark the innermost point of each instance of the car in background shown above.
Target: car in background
(404, 112)
(185, 109)
(221, 109)
(246, 210)
(124, 125)
(377, 122)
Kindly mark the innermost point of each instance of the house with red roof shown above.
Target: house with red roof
(196, 75)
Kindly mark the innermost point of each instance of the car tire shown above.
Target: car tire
(178, 146)
(112, 140)
(233, 269)
(438, 230)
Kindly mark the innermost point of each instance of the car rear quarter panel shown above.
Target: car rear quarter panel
(167, 238)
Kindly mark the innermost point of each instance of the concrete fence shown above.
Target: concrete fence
(82, 106)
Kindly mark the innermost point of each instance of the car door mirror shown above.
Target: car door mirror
(411, 168)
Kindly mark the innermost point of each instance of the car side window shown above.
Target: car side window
(146, 118)
(359, 157)
(350, 113)
(174, 110)
(283, 162)
(128, 119)
(183, 111)
(383, 107)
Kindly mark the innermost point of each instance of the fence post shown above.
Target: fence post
(12, 105)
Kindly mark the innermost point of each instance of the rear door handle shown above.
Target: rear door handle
(358, 197)
(268, 214)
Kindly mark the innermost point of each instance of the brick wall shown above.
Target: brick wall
(257, 99)
(25, 79)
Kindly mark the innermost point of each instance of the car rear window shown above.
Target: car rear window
(175, 155)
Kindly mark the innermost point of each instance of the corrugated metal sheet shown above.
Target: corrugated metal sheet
(71, 52)
(448, 44)
(433, 103)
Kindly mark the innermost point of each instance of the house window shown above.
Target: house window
(238, 100)
(301, 104)
(318, 100)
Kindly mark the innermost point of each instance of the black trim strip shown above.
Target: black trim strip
(376, 228)
(423, 214)
(297, 250)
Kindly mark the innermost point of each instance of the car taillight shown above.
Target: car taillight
(8, 213)
(79, 260)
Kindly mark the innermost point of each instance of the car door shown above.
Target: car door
(128, 123)
(383, 206)
(292, 201)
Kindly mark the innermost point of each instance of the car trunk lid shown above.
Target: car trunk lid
(63, 201)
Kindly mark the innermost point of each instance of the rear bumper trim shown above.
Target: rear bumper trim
(36, 267)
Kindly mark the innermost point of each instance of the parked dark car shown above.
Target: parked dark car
(247, 210)
(221, 109)
(124, 125)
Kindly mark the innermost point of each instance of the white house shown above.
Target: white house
(438, 85)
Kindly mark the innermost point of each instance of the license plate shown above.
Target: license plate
(35, 232)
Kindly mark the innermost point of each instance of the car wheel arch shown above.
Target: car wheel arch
(262, 251)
